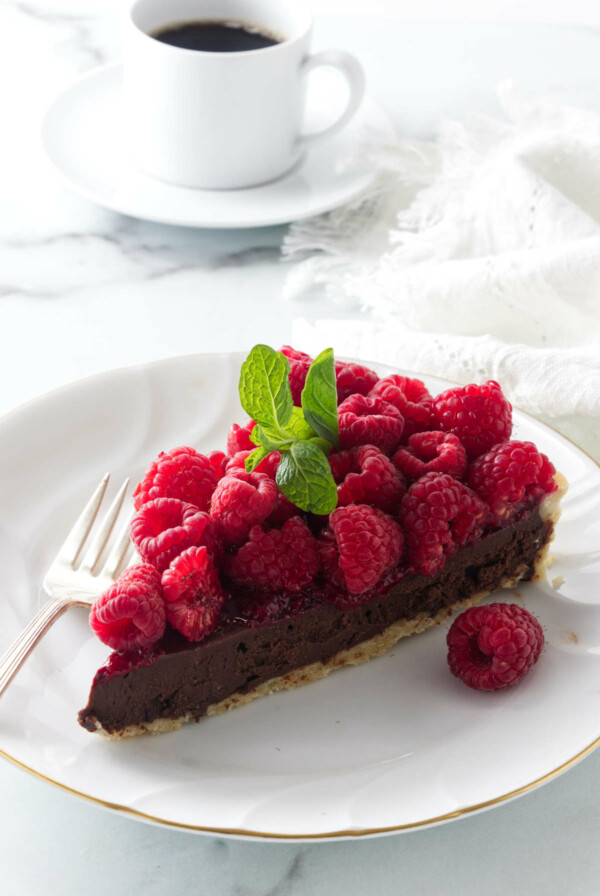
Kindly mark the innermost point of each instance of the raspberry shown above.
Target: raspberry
(165, 527)
(341, 463)
(294, 354)
(237, 463)
(270, 464)
(359, 546)
(193, 594)
(411, 398)
(283, 559)
(180, 473)
(240, 501)
(299, 364)
(440, 515)
(131, 613)
(432, 452)
(479, 415)
(218, 461)
(512, 478)
(330, 557)
(353, 379)
(238, 438)
(283, 510)
(494, 646)
(369, 421)
(367, 477)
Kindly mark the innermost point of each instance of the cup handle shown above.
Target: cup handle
(352, 70)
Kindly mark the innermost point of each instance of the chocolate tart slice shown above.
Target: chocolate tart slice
(176, 681)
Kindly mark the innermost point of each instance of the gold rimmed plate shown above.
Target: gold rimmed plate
(389, 746)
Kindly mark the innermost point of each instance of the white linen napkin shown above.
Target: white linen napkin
(476, 257)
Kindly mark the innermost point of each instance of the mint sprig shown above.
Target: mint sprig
(319, 398)
(265, 387)
(280, 439)
(304, 476)
(304, 436)
(253, 460)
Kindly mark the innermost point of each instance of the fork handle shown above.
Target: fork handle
(16, 655)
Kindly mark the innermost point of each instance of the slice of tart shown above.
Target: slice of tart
(267, 566)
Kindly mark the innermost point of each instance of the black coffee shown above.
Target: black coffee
(217, 36)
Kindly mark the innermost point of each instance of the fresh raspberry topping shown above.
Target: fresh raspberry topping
(193, 594)
(353, 379)
(359, 545)
(512, 479)
(165, 527)
(131, 613)
(238, 438)
(479, 415)
(369, 421)
(270, 464)
(294, 354)
(341, 463)
(494, 646)
(283, 510)
(365, 475)
(440, 515)
(299, 364)
(283, 559)
(330, 558)
(181, 473)
(241, 501)
(411, 398)
(432, 452)
(218, 461)
(237, 463)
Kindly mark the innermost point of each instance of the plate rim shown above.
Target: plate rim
(249, 834)
(105, 70)
(348, 834)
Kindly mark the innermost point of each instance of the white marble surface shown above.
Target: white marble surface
(83, 290)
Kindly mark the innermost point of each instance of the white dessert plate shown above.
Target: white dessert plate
(82, 134)
(392, 745)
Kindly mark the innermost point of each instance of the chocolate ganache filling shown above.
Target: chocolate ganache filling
(176, 678)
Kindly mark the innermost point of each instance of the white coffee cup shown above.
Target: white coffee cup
(223, 120)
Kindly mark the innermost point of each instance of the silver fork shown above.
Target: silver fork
(69, 583)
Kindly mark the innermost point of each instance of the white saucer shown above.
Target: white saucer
(82, 132)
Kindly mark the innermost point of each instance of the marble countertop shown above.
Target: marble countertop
(83, 289)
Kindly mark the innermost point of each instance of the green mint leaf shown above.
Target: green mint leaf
(298, 426)
(319, 397)
(253, 460)
(276, 438)
(322, 444)
(304, 476)
(304, 436)
(264, 387)
(273, 438)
